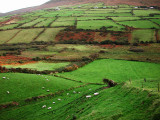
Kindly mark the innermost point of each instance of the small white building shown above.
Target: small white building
(57, 8)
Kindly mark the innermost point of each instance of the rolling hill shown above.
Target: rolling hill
(54, 3)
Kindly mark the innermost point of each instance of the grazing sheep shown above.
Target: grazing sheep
(43, 106)
(96, 93)
(4, 77)
(88, 96)
(54, 102)
(79, 92)
(47, 90)
(59, 99)
(90, 89)
(42, 87)
(67, 93)
(8, 92)
(74, 91)
(49, 108)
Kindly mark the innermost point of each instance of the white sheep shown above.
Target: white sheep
(90, 89)
(8, 92)
(47, 90)
(96, 93)
(59, 99)
(43, 106)
(74, 91)
(54, 102)
(49, 108)
(79, 92)
(4, 77)
(43, 87)
(67, 93)
(88, 96)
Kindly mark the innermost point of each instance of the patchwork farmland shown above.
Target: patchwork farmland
(87, 61)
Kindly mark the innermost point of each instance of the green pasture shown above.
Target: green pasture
(121, 102)
(125, 18)
(7, 35)
(122, 10)
(99, 11)
(104, 14)
(10, 26)
(32, 23)
(117, 70)
(45, 23)
(90, 18)
(97, 24)
(26, 20)
(40, 66)
(63, 23)
(22, 86)
(145, 12)
(140, 24)
(156, 20)
(50, 14)
(143, 36)
(49, 34)
(65, 19)
(26, 35)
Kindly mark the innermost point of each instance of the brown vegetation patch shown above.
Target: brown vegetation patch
(76, 36)
(15, 60)
(13, 19)
(110, 46)
(91, 36)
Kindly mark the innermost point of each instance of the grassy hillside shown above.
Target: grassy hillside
(120, 102)
(79, 48)
(117, 70)
(23, 86)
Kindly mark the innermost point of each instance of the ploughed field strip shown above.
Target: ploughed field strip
(92, 17)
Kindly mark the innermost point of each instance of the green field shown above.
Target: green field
(26, 36)
(143, 35)
(34, 22)
(11, 26)
(63, 23)
(125, 18)
(40, 66)
(22, 86)
(49, 34)
(120, 102)
(60, 19)
(145, 12)
(97, 24)
(45, 23)
(90, 18)
(117, 70)
(7, 35)
(156, 21)
(140, 24)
